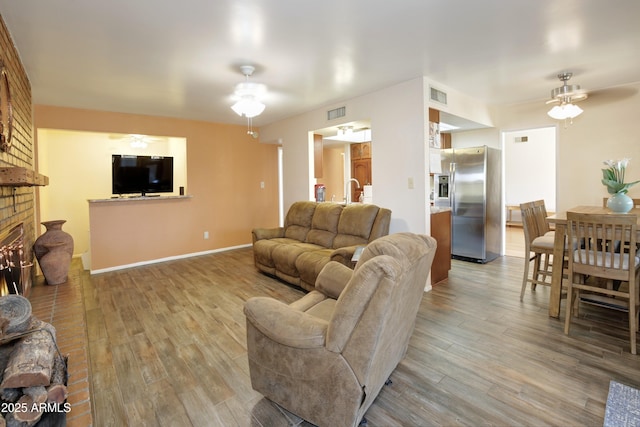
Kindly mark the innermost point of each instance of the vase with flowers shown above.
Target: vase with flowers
(613, 179)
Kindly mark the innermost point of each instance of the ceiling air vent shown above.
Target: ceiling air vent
(336, 113)
(438, 96)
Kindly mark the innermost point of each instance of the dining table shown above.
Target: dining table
(559, 220)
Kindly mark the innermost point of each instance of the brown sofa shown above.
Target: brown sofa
(313, 234)
(326, 356)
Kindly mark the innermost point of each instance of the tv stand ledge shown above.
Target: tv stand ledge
(138, 198)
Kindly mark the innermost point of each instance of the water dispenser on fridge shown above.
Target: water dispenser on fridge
(441, 191)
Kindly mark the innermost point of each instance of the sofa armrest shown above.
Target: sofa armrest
(344, 255)
(285, 325)
(267, 233)
(333, 278)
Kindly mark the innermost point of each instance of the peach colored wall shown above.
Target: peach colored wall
(224, 170)
(333, 173)
(121, 233)
(90, 152)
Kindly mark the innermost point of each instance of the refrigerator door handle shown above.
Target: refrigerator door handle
(452, 184)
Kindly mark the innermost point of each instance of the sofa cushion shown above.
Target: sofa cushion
(323, 310)
(263, 250)
(355, 225)
(309, 264)
(324, 224)
(298, 221)
(285, 256)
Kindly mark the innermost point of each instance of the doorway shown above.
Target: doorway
(90, 154)
(523, 183)
(346, 157)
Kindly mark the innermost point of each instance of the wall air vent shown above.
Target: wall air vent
(438, 95)
(336, 113)
(521, 139)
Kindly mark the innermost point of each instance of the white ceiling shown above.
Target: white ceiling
(181, 59)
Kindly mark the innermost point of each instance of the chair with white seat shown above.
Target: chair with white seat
(539, 240)
(601, 256)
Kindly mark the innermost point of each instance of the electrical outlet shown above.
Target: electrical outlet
(206, 235)
(261, 184)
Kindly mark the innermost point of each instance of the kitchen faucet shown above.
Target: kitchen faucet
(347, 190)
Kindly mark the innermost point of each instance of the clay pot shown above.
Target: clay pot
(53, 250)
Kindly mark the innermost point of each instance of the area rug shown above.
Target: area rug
(623, 406)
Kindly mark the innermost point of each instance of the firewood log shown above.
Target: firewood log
(31, 411)
(10, 394)
(37, 394)
(5, 352)
(7, 394)
(57, 391)
(13, 421)
(4, 324)
(31, 361)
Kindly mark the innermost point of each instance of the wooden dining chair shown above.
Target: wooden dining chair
(601, 257)
(636, 204)
(538, 240)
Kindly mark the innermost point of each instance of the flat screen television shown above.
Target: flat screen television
(131, 174)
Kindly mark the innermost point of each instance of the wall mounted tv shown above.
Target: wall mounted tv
(131, 174)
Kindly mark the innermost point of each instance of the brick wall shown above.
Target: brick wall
(17, 203)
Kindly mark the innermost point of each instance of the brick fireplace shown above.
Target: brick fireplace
(17, 202)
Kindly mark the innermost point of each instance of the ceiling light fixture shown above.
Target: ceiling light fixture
(138, 141)
(353, 135)
(248, 96)
(565, 96)
(344, 130)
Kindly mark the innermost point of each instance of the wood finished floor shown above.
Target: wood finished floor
(167, 347)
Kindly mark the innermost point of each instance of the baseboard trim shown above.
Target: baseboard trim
(171, 258)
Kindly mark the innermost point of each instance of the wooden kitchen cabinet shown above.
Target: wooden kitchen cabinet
(441, 231)
(445, 140)
(360, 170)
(361, 151)
(360, 167)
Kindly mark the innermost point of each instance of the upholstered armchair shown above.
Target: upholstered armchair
(326, 356)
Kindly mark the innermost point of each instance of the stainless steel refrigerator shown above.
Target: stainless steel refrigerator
(470, 185)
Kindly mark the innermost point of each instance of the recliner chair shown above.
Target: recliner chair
(326, 356)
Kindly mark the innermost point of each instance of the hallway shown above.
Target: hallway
(514, 241)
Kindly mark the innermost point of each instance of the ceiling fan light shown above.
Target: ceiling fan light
(572, 110)
(556, 113)
(248, 107)
(565, 111)
(137, 141)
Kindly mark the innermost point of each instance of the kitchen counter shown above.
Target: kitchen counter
(438, 209)
(441, 231)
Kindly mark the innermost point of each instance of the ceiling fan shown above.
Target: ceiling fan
(564, 97)
(248, 97)
(138, 140)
